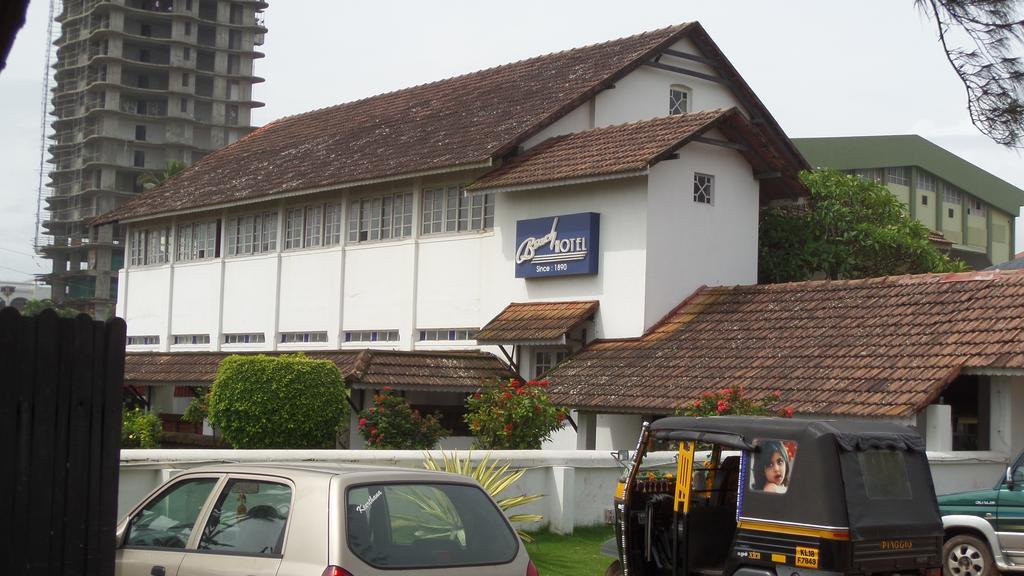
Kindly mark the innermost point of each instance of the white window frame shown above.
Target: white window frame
(447, 334)
(197, 241)
(245, 338)
(148, 246)
(927, 181)
(899, 175)
(189, 339)
(147, 340)
(680, 99)
(372, 336)
(448, 209)
(703, 189)
(302, 337)
(386, 217)
(545, 359)
(951, 194)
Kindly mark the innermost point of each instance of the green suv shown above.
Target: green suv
(985, 528)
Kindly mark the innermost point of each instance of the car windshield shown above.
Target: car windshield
(427, 526)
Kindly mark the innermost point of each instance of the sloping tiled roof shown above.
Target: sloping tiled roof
(535, 321)
(440, 371)
(877, 347)
(460, 121)
(622, 149)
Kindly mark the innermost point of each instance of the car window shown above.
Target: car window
(249, 518)
(427, 526)
(167, 521)
(885, 474)
(772, 465)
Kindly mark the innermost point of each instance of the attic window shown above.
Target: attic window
(678, 99)
(703, 188)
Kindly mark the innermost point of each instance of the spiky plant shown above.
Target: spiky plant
(494, 477)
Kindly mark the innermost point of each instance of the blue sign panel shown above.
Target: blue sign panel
(557, 245)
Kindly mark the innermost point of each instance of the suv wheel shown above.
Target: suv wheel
(966, 555)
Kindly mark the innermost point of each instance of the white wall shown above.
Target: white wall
(145, 307)
(255, 277)
(192, 306)
(692, 244)
(643, 93)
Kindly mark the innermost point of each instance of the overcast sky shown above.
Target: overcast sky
(823, 68)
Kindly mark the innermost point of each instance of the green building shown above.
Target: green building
(969, 207)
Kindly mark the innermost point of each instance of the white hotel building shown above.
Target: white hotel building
(390, 223)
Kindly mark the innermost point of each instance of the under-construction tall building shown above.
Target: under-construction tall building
(138, 83)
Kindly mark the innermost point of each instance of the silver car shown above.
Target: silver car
(318, 520)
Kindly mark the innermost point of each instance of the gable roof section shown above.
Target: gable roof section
(847, 153)
(618, 151)
(436, 371)
(536, 322)
(876, 347)
(458, 122)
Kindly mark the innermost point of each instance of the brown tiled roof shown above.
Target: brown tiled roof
(455, 122)
(440, 371)
(536, 321)
(877, 347)
(622, 149)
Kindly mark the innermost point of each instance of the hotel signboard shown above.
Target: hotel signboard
(557, 245)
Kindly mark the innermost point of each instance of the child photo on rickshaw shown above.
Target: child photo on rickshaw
(773, 466)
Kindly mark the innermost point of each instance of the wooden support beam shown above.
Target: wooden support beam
(685, 56)
(722, 143)
(767, 175)
(693, 73)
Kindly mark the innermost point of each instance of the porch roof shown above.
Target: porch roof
(536, 322)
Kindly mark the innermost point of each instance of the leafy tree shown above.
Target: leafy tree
(851, 228)
(152, 180)
(979, 37)
(391, 424)
(287, 401)
(140, 429)
(512, 415)
(34, 307)
(734, 401)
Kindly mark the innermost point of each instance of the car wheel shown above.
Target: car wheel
(615, 569)
(966, 555)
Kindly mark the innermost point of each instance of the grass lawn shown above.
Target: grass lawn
(576, 555)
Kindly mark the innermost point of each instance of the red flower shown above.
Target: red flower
(476, 395)
(696, 403)
(362, 422)
(508, 428)
(544, 383)
(788, 411)
(723, 406)
(516, 384)
(373, 430)
(386, 388)
(507, 395)
(777, 394)
(533, 383)
(521, 391)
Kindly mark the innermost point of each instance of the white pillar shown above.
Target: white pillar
(937, 428)
(586, 430)
(562, 500)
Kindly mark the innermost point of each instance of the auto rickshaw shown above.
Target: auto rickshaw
(757, 496)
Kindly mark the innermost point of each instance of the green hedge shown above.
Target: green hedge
(287, 401)
(140, 429)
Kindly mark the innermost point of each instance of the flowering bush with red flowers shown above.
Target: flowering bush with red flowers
(513, 415)
(391, 424)
(734, 401)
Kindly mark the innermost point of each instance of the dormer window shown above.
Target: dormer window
(678, 99)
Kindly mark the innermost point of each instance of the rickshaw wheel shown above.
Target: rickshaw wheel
(966, 555)
(615, 569)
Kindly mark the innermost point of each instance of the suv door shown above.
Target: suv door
(157, 535)
(244, 532)
(1010, 515)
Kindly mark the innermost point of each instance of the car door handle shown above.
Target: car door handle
(989, 515)
(158, 571)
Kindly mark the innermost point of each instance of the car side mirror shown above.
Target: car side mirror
(119, 534)
(1009, 477)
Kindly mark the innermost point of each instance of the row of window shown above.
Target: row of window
(316, 225)
(430, 335)
(901, 175)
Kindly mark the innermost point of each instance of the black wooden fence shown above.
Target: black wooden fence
(60, 433)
